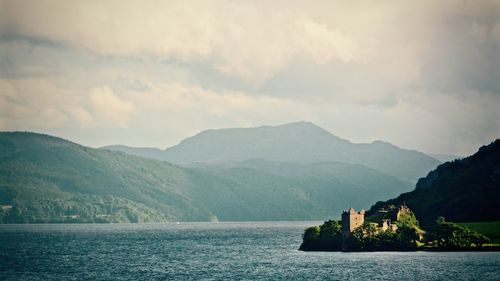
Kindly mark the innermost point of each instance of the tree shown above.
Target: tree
(453, 236)
(311, 233)
(330, 235)
(408, 237)
(408, 220)
(364, 238)
(310, 239)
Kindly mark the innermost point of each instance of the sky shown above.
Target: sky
(422, 75)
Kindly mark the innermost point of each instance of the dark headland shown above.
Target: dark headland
(392, 229)
(465, 191)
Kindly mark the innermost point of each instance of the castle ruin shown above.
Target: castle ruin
(352, 220)
(401, 211)
(385, 224)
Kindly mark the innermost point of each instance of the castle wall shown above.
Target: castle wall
(352, 220)
(356, 220)
(401, 211)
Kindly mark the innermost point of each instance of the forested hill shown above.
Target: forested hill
(300, 142)
(48, 179)
(460, 190)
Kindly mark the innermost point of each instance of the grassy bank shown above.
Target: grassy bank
(490, 229)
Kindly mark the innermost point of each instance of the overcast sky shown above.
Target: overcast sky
(423, 75)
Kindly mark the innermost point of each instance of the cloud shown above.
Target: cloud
(183, 109)
(243, 39)
(419, 74)
(324, 44)
(170, 111)
(28, 104)
(81, 116)
(110, 108)
(262, 46)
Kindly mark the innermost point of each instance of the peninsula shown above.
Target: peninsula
(391, 228)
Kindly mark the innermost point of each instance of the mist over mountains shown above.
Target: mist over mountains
(48, 179)
(300, 142)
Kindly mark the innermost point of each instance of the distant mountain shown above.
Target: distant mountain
(48, 179)
(301, 142)
(148, 152)
(462, 190)
(444, 157)
(280, 190)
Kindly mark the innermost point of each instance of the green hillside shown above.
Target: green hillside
(465, 190)
(48, 179)
(289, 191)
(489, 228)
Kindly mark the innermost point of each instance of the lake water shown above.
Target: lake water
(213, 251)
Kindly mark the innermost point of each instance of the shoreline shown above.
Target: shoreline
(483, 249)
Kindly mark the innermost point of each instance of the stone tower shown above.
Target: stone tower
(352, 220)
(401, 211)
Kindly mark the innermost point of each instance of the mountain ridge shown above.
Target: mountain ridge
(46, 179)
(302, 142)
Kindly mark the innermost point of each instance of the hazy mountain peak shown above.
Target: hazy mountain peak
(301, 129)
(383, 143)
(301, 142)
(444, 157)
(299, 125)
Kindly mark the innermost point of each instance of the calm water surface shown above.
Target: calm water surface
(212, 251)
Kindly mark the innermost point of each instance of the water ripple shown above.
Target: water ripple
(213, 251)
